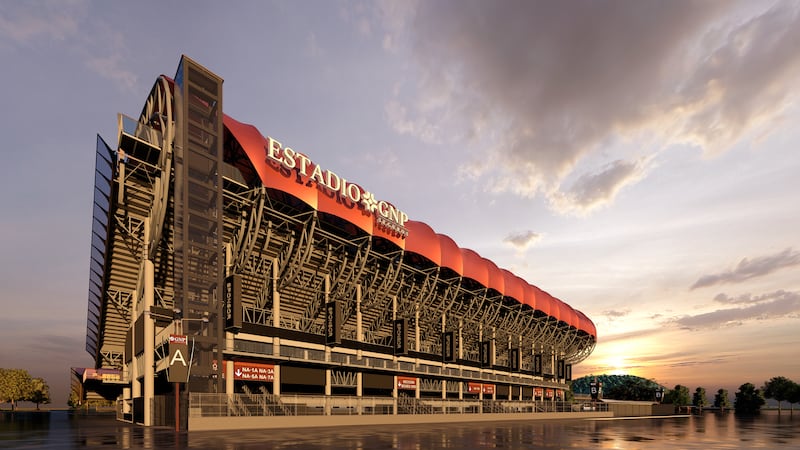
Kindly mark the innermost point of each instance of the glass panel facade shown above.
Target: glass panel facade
(103, 174)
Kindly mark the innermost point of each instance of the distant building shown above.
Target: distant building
(235, 269)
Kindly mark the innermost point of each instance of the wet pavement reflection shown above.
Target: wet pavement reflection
(64, 430)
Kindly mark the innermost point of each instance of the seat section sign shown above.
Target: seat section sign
(250, 371)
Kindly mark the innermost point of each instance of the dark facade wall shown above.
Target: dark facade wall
(303, 375)
(377, 381)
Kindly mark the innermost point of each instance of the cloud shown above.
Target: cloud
(597, 189)
(103, 49)
(631, 335)
(770, 306)
(548, 92)
(49, 20)
(747, 269)
(616, 314)
(523, 240)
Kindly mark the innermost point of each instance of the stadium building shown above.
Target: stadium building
(232, 276)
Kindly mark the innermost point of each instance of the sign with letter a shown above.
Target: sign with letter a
(178, 370)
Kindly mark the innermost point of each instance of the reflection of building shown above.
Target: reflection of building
(94, 387)
(297, 279)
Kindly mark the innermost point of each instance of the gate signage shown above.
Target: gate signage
(178, 369)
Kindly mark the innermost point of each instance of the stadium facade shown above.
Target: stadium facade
(229, 270)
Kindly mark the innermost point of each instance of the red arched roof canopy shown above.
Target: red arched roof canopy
(272, 176)
(530, 295)
(475, 267)
(341, 207)
(496, 279)
(592, 329)
(555, 309)
(583, 321)
(423, 241)
(514, 285)
(391, 236)
(294, 182)
(544, 302)
(451, 254)
(570, 317)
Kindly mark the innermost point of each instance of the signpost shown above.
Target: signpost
(178, 370)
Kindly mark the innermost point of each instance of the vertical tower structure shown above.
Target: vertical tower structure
(198, 259)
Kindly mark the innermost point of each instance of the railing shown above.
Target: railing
(265, 404)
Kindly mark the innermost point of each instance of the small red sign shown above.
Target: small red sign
(538, 392)
(178, 339)
(488, 389)
(474, 388)
(407, 383)
(549, 393)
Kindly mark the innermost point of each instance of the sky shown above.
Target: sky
(638, 160)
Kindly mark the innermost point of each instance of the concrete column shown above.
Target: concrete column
(276, 316)
(136, 385)
(359, 329)
(493, 349)
(360, 390)
(394, 317)
(460, 339)
(394, 394)
(419, 386)
(327, 392)
(276, 382)
(276, 296)
(228, 378)
(416, 328)
(149, 341)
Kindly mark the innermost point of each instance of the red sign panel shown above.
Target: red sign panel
(249, 371)
(408, 383)
(549, 393)
(474, 388)
(538, 392)
(178, 339)
(477, 388)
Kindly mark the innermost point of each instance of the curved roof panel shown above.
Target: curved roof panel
(496, 279)
(423, 241)
(339, 206)
(544, 302)
(514, 286)
(274, 177)
(530, 296)
(475, 267)
(451, 254)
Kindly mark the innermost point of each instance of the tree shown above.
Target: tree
(74, 400)
(778, 388)
(721, 399)
(699, 398)
(749, 400)
(15, 385)
(631, 388)
(678, 396)
(40, 392)
(794, 396)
